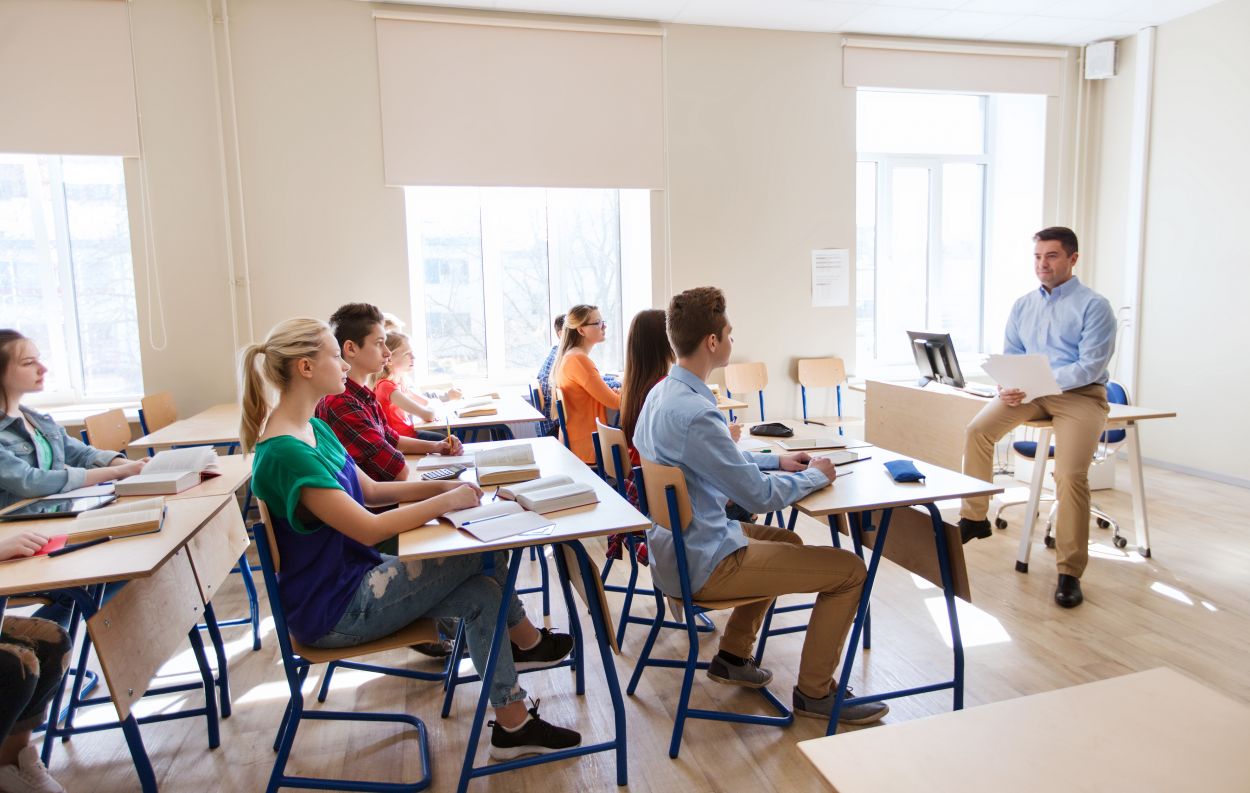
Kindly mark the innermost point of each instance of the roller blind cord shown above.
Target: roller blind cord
(152, 278)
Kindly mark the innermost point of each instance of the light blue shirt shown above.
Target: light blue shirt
(680, 426)
(1072, 325)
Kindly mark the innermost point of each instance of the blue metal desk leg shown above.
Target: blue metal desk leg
(223, 662)
(210, 688)
(948, 591)
(857, 628)
(860, 523)
(488, 674)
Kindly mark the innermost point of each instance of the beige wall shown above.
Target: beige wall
(761, 171)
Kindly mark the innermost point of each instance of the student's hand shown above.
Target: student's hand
(825, 466)
(451, 484)
(1011, 397)
(130, 468)
(451, 446)
(463, 497)
(735, 431)
(795, 461)
(452, 393)
(19, 545)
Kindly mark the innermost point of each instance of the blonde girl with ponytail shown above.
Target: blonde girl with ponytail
(336, 588)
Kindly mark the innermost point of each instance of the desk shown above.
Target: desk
(1055, 741)
(610, 515)
(140, 628)
(871, 488)
(509, 410)
(929, 424)
(218, 425)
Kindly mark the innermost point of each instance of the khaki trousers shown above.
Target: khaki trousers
(1079, 417)
(776, 562)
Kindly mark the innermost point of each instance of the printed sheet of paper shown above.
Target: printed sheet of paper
(1029, 373)
(831, 277)
(491, 529)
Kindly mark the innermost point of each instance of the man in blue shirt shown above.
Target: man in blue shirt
(680, 426)
(1074, 327)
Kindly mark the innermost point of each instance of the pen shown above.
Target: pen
(448, 419)
(79, 546)
(479, 520)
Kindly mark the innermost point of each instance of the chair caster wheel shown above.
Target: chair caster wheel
(1050, 541)
(1104, 524)
(999, 523)
(1120, 542)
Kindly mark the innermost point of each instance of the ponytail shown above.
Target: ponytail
(255, 400)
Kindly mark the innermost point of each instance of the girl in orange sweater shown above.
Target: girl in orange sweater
(586, 396)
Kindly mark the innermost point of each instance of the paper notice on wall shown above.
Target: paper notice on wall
(831, 277)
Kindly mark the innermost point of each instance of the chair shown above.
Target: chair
(744, 377)
(558, 396)
(665, 488)
(1108, 444)
(823, 373)
(297, 658)
(107, 430)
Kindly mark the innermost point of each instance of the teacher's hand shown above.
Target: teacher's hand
(1011, 397)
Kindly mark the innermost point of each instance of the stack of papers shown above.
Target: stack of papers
(1029, 373)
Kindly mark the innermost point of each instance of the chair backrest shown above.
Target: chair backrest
(1116, 395)
(656, 480)
(558, 396)
(615, 451)
(822, 372)
(108, 430)
(746, 376)
(267, 523)
(536, 395)
(588, 587)
(157, 411)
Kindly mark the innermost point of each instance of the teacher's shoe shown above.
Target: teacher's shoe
(970, 529)
(1068, 592)
(858, 713)
(29, 775)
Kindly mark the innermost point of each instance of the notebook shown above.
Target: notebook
(496, 520)
(431, 462)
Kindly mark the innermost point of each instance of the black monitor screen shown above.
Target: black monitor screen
(935, 358)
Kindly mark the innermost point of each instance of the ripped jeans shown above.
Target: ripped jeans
(396, 592)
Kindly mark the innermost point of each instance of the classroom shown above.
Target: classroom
(792, 296)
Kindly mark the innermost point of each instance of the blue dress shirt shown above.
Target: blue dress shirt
(1072, 325)
(681, 426)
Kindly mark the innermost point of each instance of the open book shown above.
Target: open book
(506, 464)
(481, 406)
(496, 520)
(118, 520)
(171, 471)
(511, 492)
(550, 494)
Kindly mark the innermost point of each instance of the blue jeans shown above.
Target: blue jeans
(396, 592)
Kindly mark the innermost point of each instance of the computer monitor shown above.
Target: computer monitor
(935, 358)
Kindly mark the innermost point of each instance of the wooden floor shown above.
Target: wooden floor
(1188, 608)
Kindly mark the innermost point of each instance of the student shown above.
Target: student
(544, 384)
(680, 426)
(37, 457)
(355, 415)
(33, 656)
(398, 402)
(336, 589)
(586, 396)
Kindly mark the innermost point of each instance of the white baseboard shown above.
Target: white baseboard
(1235, 481)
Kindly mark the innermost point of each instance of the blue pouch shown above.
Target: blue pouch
(904, 471)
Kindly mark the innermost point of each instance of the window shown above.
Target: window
(491, 267)
(948, 196)
(66, 276)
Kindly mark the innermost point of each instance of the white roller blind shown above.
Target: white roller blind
(479, 104)
(66, 83)
(870, 63)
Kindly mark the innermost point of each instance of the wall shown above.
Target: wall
(1195, 280)
(761, 146)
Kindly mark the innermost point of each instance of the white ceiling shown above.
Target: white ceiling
(1071, 22)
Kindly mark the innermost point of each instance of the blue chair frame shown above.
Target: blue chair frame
(296, 670)
(692, 662)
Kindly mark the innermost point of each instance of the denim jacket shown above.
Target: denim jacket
(20, 474)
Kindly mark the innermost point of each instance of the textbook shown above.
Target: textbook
(431, 462)
(506, 464)
(511, 492)
(118, 520)
(480, 406)
(171, 471)
(554, 499)
(496, 520)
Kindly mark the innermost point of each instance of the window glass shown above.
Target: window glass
(902, 122)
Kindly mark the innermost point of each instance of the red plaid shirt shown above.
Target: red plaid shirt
(358, 421)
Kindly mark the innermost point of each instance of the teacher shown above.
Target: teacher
(1074, 327)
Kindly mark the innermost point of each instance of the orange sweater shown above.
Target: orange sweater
(586, 398)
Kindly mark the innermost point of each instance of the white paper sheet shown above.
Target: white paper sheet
(102, 489)
(831, 277)
(491, 529)
(1029, 373)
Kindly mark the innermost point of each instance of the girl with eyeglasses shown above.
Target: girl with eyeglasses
(586, 396)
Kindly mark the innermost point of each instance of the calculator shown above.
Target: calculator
(450, 472)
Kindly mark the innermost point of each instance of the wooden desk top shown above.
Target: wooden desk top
(1178, 735)
(731, 404)
(218, 424)
(509, 410)
(1119, 415)
(612, 514)
(116, 560)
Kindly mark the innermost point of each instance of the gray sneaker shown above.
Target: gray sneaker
(748, 675)
(859, 713)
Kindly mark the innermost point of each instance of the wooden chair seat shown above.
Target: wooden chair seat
(422, 630)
